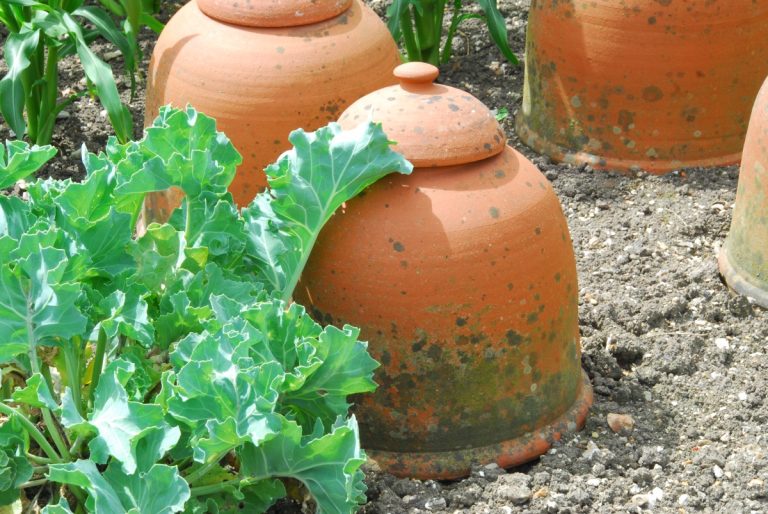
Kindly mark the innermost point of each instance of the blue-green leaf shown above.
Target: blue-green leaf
(306, 185)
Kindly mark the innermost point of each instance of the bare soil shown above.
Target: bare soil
(664, 341)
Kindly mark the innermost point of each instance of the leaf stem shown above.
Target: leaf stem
(75, 448)
(33, 483)
(215, 488)
(53, 429)
(98, 362)
(204, 469)
(32, 430)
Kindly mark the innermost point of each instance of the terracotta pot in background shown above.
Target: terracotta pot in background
(650, 84)
(744, 257)
(263, 69)
(463, 280)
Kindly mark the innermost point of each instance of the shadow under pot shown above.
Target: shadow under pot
(462, 278)
(744, 257)
(263, 68)
(648, 84)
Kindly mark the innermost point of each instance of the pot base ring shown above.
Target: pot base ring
(743, 283)
(507, 454)
(657, 167)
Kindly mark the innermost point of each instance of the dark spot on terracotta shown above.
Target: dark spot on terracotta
(500, 174)
(385, 358)
(280, 50)
(652, 20)
(510, 286)
(403, 264)
(513, 338)
(538, 231)
(453, 107)
(494, 212)
(557, 277)
(398, 246)
(435, 352)
(418, 345)
(460, 322)
(533, 317)
(652, 94)
(276, 141)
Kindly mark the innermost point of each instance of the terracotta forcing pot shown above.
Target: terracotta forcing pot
(744, 257)
(651, 84)
(463, 280)
(263, 68)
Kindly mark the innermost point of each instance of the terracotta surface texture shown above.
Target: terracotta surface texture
(262, 83)
(463, 280)
(744, 258)
(642, 84)
(273, 13)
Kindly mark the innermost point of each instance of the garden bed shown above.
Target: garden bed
(664, 341)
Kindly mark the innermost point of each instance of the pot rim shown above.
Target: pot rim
(741, 282)
(454, 464)
(557, 153)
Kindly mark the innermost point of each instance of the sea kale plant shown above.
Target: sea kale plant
(170, 372)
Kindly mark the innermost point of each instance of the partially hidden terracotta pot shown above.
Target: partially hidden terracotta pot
(463, 280)
(263, 68)
(651, 84)
(744, 257)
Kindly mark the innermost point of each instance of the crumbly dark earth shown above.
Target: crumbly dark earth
(664, 340)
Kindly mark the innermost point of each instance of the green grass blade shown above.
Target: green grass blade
(100, 74)
(497, 28)
(18, 49)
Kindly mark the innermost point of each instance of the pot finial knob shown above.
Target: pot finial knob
(416, 73)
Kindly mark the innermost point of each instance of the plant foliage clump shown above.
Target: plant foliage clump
(419, 25)
(170, 372)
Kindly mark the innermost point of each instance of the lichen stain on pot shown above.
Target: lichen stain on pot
(744, 257)
(267, 71)
(648, 84)
(463, 280)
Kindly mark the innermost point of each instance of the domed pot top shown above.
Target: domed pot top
(433, 124)
(273, 13)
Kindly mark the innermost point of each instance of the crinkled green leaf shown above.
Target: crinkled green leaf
(128, 316)
(328, 465)
(258, 497)
(184, 151)
(60, 508)
(102, 499)
(159, 490)
(346, 369)
(224, 397)
(15, 219)
(306, 185)
(213, 223)
(36, 393)
(19, 160)
(35, 305)
(117, 422)
(15, 469)
(161, 252)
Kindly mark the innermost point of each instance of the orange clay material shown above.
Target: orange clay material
(644, 84)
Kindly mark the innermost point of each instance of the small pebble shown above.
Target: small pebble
(436, 504)
(621, 422)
